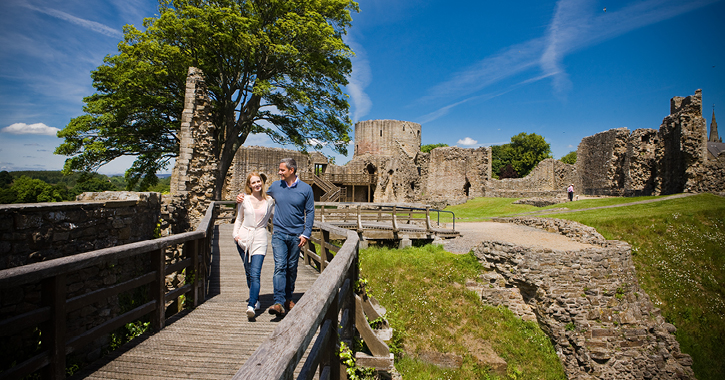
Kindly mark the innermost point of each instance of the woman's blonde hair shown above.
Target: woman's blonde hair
(248, 187)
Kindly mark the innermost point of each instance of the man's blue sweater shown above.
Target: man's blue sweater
(292, 203)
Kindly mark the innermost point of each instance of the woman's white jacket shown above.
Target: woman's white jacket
(252, 235)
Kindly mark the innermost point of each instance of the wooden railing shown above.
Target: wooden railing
(332, 295)
(397, 216)
(52, 315)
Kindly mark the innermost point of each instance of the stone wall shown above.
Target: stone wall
(549, 179)
(670, 160)
(601, 161)
(42, 231)
(453, 175)
(31, 233)
(602, 324)
(382, 137)
(197, 166)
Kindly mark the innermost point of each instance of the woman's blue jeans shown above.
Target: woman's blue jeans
(253, 271)
(286, 256)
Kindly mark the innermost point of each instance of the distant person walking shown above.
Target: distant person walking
(294, 215)
(570, 192)
(250, 233)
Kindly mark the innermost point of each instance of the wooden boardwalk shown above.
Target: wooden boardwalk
(213, 340)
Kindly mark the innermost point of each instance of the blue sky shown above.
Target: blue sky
(473, 73)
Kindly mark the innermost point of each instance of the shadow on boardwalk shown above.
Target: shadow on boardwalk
(211, 341)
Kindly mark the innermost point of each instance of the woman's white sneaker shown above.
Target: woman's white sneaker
(250, 312)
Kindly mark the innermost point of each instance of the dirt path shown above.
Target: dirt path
(473, 233)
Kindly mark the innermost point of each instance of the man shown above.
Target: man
(294, 214)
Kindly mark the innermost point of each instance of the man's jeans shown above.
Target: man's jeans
(253, 271)
(286, 256)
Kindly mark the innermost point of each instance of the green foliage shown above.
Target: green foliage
(430, 309)
(281, 63)
(678, 247)
(569, 158)
(347, 357)
(523, 154)
(27, 190)
(88, 182)
(5, 179)
(428, 147)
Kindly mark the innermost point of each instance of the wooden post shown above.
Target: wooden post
(329, 358)
(427, 220)
(322, 213)
(54, 295)
(325, 254)
(359, 220)
(192, 250)
(395, 219)
(158, 288)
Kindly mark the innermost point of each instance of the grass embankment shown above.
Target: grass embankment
(678, 247)
(430, 309)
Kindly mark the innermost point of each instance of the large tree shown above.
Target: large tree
(524, 152)
(271, 66)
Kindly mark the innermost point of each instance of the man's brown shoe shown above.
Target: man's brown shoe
(289, 305)
(277, 309)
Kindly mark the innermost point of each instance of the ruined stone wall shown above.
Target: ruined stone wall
(602, 161)
(197, 166)
(456, 174)
(264, 160)
(642, 149)
(684, 146)
(399, 180)
(549, 179)
(602, 324)
(384, 137)
(42, 231)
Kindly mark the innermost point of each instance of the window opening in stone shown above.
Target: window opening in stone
(381, 133)
(645, 138)
(466, 187)
(371, 169)
(412, 185)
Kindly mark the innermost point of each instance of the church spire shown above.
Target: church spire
(713, 128)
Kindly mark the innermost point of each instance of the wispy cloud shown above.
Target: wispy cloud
(359, 80)
(88, 24)
(576, 24)
(30, 129)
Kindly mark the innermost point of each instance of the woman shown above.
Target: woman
(250, 233)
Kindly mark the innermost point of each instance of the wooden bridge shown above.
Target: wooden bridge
(214, 339)
(380, 221)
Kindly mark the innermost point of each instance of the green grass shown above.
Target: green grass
(678, 248)
(430, 309)
(485, 208)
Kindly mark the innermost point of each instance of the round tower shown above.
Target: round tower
(383, 137)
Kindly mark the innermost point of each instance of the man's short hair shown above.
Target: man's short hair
(290, 163)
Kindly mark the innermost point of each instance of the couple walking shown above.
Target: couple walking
(294, 212)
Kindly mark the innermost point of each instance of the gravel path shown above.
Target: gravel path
(473, 233)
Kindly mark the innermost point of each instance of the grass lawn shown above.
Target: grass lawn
(430, 309)
(678, 247)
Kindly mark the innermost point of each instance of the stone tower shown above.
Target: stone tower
(713, 129)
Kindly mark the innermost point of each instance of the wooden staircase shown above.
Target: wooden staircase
(332, 192)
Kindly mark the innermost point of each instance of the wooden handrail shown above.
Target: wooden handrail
(52, 313)
(277, 357)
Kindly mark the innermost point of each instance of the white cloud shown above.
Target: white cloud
(30, 129)
(88, 24)
(467, 141)
(359, 79)
(574, 26)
